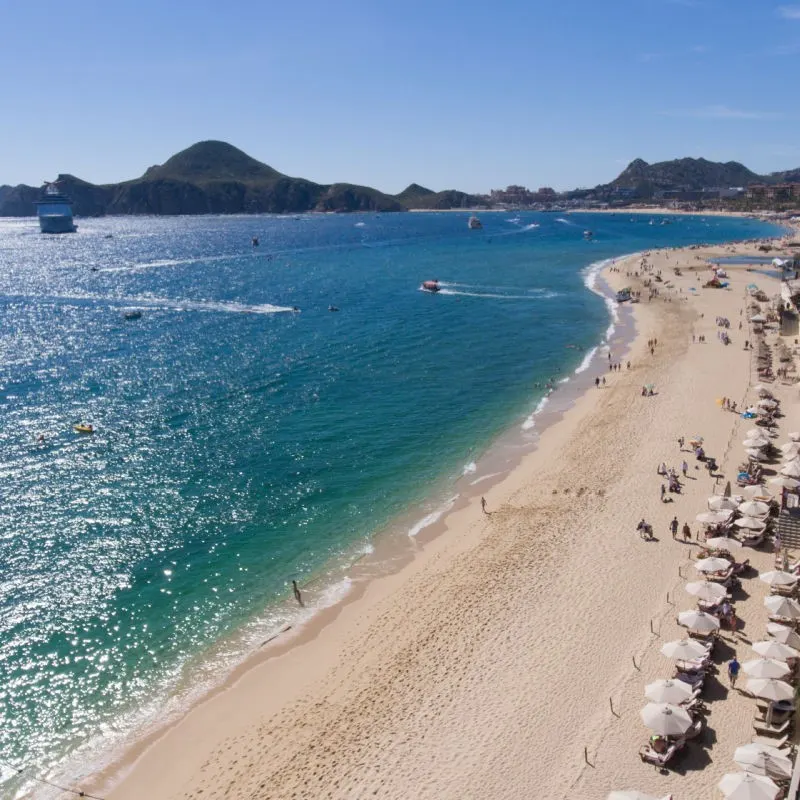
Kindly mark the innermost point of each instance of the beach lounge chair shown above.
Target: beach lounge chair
(661, 760)
(760, 726)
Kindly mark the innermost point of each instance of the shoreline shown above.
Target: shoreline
(314, 630)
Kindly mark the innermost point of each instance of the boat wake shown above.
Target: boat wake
(564, 221)
(494, 292)
(155, 304)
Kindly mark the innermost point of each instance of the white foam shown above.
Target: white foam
(470, 468)
(531, 419)
(485, 478)
(359, 224)
(434, 516)
(587, 359)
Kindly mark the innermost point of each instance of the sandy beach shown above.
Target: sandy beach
(488, 664)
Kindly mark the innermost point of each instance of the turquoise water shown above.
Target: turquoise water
(239, 445)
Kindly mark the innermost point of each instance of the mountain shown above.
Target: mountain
(683, 173)
(416, 196)
(206, 178)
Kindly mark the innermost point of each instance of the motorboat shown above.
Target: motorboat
(83, 427)
(474, 223)
(588, 234)
(430, 286)
(132, 314)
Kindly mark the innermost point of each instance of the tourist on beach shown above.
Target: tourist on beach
(681, 441)
(483, 505)
(663, 492)
(604, 381)
(673, 526)
(629, 365)
(733, 671)
(597, 382)
(687, 532)
(297, 595)
(684, 468)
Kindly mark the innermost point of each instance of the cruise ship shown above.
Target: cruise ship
(55, 211)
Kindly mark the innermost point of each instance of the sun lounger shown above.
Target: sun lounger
(760, 726)
(660, 760)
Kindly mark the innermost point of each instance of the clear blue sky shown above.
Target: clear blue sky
(450, 94)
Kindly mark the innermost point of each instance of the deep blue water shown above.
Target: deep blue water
(239, 445)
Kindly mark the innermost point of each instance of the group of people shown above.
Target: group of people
(728, 404)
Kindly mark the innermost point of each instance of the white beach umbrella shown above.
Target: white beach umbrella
(755, 453)
(750, 492)
(668, 691)
(755, 441)
(752, 508)
(753, 432)
(758, 318)
(770, 689)
(794, 436)
(765, 668)
(762, 759)
(762, 390)
(790, 449)
(784, 635)
(720, 503)
(684, 650)
(792, 469)
(782, 606)
(666, 719)
(713, 517)
(745, 786)
(777, 577)
(698, 621)
(767, 402)
(784, 482)
(751, 523)
(723, 543)
(772, 649)
(712, 564)
(705, 590)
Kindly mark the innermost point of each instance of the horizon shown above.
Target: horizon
(447, 97)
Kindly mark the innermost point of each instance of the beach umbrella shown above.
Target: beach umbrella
(782, 606)
(712, 564)
(754, 433)
(668, 691)
(756, 441)
(794, 436)
(784, 482)
(698, 621)
(751, 523)
(684, 650)
(770, 689)
(718, 503)
(666, 719)
(767, 402)
(745, 786)
(777, 577)
(764, 391)
(792, 469)
(765, 668)
(752, 508)
(761, 759)
(772, 649)
(790, 449)
(758, 318)
(705, 590)
(713, 517)
(784, 635)
(758, 490)
(755, 453)
(723, 543)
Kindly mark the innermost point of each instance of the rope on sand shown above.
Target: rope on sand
(19, 770)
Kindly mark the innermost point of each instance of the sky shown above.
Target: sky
(448, 94)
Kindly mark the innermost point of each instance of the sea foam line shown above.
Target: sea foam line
(434, 516)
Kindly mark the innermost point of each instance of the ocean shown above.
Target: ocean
(240, 444)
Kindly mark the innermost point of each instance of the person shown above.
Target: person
(41, 438)
(663, 492)
(297, 595)
(733, 671)
(604, 381)
(483, 505)
(597, 382)
(673, 526)
(681, 441)
(629, 365)
(687, 532)
(684, 468)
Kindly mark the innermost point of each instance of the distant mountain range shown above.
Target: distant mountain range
(217, 178)
(691, 173)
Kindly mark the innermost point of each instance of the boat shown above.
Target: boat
(430, 286)
(55, 211)
(132, 314)
(83, 427)
(587, 234)
(474, 223)
(254, 241)
(623, 295)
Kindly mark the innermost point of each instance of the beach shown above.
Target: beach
(515, 647)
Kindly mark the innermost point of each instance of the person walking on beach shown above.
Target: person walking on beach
(597, 382)
(297, 595)
(733, 671)
(673, 526)
(687, 532)
(663, 492)
(681, 442)
(684, 468)
(483, 505)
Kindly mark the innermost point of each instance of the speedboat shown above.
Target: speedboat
(587, 234)
(83, 427)
(132, 314)
(474, 223)
(430, 286)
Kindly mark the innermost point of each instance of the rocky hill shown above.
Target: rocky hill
(683, 173)
(206, 178)
(416, 196)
